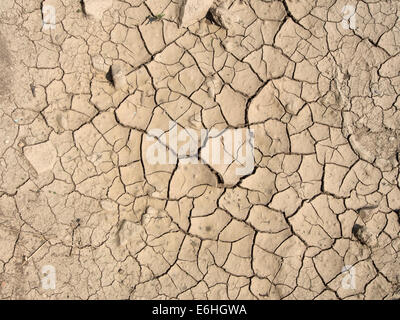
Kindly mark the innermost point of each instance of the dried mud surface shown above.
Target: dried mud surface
(77, 192)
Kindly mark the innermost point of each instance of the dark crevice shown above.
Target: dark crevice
(288, 13)
(83, 8)
(109, 77)
(211, 19)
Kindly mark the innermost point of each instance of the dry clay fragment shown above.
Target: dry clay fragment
(96, 8)
(119, 77)
(41, 156)
(186, 178)
(194, 10)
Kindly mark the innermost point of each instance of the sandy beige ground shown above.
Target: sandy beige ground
(78, 99)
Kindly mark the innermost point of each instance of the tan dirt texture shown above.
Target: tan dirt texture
(86, 214)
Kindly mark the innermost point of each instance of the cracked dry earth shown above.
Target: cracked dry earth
(77, 192)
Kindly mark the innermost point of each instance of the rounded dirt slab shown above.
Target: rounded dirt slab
(187, 149)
